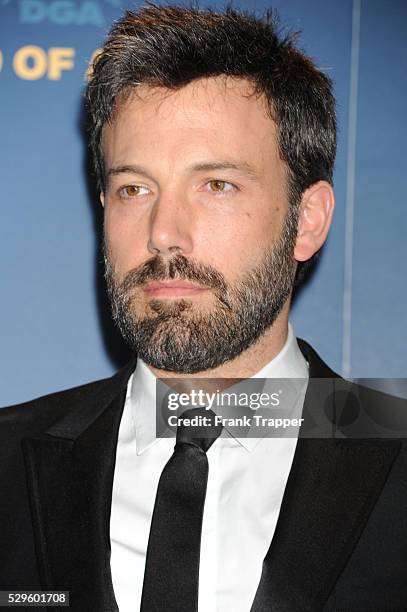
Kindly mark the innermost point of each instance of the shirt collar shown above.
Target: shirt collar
(141, 392)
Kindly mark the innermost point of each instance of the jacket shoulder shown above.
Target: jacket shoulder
(38, 414)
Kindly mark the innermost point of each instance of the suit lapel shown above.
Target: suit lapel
(331, 490)
(70, 472)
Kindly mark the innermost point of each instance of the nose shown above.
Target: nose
(170, 227)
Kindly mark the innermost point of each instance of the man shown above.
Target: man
(214, 144)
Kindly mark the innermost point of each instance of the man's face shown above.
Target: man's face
(198, 239)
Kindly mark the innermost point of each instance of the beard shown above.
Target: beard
(180, 336)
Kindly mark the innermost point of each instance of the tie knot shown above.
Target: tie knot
(198, 427)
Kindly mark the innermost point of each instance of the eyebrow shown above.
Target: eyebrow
(243, 167)
(226, 165)
(127, 169)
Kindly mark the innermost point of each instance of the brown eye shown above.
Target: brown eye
(132, 191)
(217, 185)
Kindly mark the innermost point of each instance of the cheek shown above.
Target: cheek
(113, 231)
(124, 239)
(233, 245)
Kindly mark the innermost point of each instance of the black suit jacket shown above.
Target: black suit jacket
(340, 541)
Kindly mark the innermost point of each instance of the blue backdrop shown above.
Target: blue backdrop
(55, 330)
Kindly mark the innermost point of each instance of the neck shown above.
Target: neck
(248, 363)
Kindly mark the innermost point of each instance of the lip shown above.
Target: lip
(172, 288)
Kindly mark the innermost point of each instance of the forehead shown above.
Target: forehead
(219, 114)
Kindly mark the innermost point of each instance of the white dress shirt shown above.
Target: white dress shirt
(247, 478)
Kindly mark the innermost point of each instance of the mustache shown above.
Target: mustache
(180, 268)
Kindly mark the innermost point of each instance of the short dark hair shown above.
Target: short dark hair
(170, 46)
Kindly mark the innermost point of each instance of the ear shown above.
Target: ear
(102, 199)
(315, 218)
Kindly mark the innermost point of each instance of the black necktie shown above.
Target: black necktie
(172, 564)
